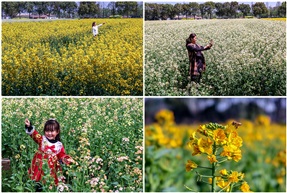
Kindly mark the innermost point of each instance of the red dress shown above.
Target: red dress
(52, 152)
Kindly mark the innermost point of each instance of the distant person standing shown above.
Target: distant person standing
(95, 28)
(196, 59)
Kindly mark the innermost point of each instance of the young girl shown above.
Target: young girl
(50, 149)
(95, 28)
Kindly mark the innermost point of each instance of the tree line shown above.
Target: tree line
(72, 9)
(155, 11)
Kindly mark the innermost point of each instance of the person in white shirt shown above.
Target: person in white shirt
(95, 28)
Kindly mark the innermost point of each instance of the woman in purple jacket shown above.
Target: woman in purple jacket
(196, 58)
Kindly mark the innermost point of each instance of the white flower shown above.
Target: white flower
(139, 147)
(122, 158)
(99, 160)
(125, 139)
(94, 182)
(60, 188)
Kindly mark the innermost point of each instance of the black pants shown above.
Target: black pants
(38, 187)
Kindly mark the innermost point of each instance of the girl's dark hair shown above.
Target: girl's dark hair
(53, 125)
(191, 36)
(93, 24)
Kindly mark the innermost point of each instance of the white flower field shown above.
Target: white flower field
(248, 58)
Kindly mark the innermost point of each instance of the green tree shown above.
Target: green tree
(178, 9)
(70, 8)
(244, 9)
(194, 8)
(219, 9)
(259, 9)
(209, 7)
(9, 9)
(282, 10)
(112, 7)
(233, 8)
(226, 9)
(202, 10)
(126, 8)
(152, 11)
(186, 10)
(50, 8)
(167, 11)
(20, 7)
(88, 9)
(139, 10)
(41, 7)
(83, 10)
(29, 7)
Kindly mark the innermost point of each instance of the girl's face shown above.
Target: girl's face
(51, 135)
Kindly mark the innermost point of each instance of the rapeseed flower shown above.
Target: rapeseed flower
(223, 172)
(212, 158)
(245, 187)
(205, 145)
(223, 185)
(219, 136)
(190, 165)
(233, 177)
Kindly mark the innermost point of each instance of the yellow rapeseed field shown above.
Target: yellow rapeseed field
(63, 58)
(276, 19)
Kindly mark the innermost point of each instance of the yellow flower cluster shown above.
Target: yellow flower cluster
(262, 130)
(63, 58)
(165, 117)
(218, 143)
(280, 164)
(215, 135)
(227, 178)
(165, 132)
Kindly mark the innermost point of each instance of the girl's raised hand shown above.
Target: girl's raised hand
(27, 122)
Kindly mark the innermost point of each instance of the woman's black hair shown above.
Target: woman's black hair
(191, 36)
(93, 24)
(53, 125)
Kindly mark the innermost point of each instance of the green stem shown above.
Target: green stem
(222, 161)
(213, 169)
(231, 186)
(204, 167)
(213, 177)
(205, 176)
